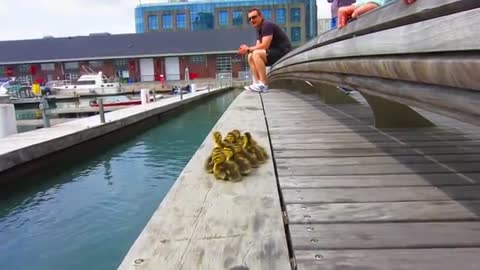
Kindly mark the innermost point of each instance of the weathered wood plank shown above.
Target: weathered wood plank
(385, 235)
(378, 169)
(392, 259)
(381, 194)
(390, 16)
(385, 180)
(204, 223)
(370, 137)
(383, 212)
(304, 151)
(407, 159)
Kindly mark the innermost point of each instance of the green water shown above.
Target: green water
(86, 215)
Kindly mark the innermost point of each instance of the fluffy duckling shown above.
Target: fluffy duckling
(252, 147)
(217, 138)
(243, 163)
(243, 154)
(233, 171)
(219, 170)
(209, 162)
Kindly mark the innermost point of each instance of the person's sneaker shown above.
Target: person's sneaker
(248, 87)
(260, 88)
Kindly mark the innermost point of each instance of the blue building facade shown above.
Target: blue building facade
(298, 18)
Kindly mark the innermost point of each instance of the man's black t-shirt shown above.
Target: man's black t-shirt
(280, 40)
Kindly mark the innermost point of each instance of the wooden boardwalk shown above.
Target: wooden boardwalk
(362, 198)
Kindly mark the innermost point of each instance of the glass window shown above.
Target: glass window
(267, 14)
(224, 63)
(223, 18)
(71, 65)
(280, 16)
(295, 15)
(167, 21)
(23, 68)
(285, 29)
(48, 67)
(181, 20)
(237, 17)
(198, 59)
(296, 34)
(120, 63)
(153, 22)
(202, 21)
(95, 64)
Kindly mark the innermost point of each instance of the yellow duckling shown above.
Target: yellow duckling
(209, 163)
(253, 148)
(233, 171)
(219, 170)
(217, 138)
(243, 154)
(242, 162)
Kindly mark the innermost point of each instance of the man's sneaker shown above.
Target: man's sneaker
(248, 87)
(261, 88)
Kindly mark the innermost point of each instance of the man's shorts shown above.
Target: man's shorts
(273, 55)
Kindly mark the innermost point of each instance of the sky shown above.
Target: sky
(31, 19)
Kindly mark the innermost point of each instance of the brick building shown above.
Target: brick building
(133, 57)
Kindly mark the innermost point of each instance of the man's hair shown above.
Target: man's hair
(255, 9)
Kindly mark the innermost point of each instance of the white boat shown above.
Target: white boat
(87, 85)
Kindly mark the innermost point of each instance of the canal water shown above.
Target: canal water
(86, 214)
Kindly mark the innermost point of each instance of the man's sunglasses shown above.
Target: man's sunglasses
(252, 18)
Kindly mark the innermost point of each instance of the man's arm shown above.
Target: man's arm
(262, 45)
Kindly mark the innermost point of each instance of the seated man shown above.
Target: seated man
(272, 44)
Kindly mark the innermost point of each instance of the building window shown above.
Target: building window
(167, 21)
(202, 21)
(23, 68)
(237, 17)
(120, 63)
(295, 15)
(296, 34)
(280, 16)
(223, 18)
(48, 67)
(267, 14)
(71, 65)
(198, 59)
(95, 64)
(153, 22)
(224, 63)
(181, 20)
(285, 29)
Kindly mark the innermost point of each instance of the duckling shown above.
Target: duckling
(209, 162)
(243, 163)
(217, 138)
(253, 148)
(219, 170)
(243, 154)
(230, 138)
(233, 171)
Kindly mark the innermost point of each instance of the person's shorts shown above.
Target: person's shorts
(273, 55)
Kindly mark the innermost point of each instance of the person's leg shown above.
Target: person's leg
(333, 23)
(364, 9)
(253, 68)
(259, 58)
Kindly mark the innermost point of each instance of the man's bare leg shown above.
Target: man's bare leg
(253, 68)
(260, 58)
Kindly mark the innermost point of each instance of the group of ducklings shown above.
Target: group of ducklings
(234, 156)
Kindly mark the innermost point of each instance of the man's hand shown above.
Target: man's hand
(408, 2)
(243, 49)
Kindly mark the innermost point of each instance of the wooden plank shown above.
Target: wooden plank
(385, 235)
(383, 212)
(371, 137)
(385, 180)
(453, 33)
(391, 259)
(378, 169)
(204, 223)
(303, 151)
(390, 16)
(406, 159)
(381, 194)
